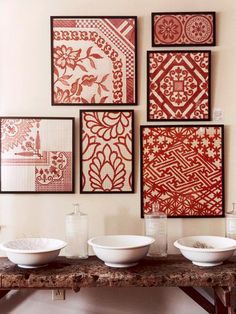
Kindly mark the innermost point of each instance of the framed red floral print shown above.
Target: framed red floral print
(37, 155)
(94, 60)
(106, 151)
(178, 85)
(182, 168)
(183, 29)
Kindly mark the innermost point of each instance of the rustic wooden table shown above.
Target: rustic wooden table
(172, 271)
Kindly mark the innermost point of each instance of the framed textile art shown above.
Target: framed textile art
(183, 29)
(37, 155)
(178, 85)
(182, 168)
(106, 151)
(94, 60)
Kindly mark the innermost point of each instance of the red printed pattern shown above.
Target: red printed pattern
(106, 151)
(15, 131)
(178, 85)
(87, 69)
(57, 175)
(183, 29)
(182, 170)
(21, 146)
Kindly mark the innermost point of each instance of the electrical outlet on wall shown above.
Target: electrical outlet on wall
(58, 294)
(218, 115)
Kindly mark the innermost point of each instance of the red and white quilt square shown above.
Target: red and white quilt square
(93, 60)
(178, 85)
(183, 29)
(106, 157)
(182, 169)
(37, 154)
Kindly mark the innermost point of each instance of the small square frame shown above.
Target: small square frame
(166, 100)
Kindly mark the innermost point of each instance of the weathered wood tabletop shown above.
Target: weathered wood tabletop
(172, 271)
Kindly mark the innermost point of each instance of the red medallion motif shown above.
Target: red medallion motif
(183, 29)
(198, 29)
(106, 145)
(178, 85)
(93, 60)
(32, 157)
(182, 169)
(168, 29)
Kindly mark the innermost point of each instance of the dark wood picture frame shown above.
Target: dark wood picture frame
(26, 144)
(108, 165)
(174, 87)
(89, 86)
(185, 170)
(176, 26)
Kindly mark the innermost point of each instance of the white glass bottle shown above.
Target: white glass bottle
(77, 234)
(231, 223)
(156, 227)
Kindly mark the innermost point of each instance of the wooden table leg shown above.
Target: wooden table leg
(3, 293)
(222, 300)
(199, 299)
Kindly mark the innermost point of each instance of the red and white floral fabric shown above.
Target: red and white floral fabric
(93, 60)
(184, 29)
(36, 155)
(106, 151)
(182, 169)
(179, 85)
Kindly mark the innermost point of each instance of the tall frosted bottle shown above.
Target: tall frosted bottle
(156, 227)
(77, 233)
(231, 223)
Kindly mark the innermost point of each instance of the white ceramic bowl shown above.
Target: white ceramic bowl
(206, 250)
(32, 252)
(121, 250)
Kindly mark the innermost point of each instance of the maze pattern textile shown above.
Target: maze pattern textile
(94, 60)
(183, 29)
(182, 170)
(178, 85)
(36, 155)
(106, 151)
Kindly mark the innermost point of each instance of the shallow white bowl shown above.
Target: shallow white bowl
(206, 250)
(32, 252)
(121, 250)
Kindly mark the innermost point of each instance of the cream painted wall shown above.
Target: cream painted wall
(25, 90)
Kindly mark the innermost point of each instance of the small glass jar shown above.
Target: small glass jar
(77, 234)
(156, 227)
(231, 223)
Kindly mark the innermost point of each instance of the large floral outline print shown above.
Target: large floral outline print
(107, 151)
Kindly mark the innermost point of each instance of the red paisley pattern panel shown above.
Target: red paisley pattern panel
(184, 29)
(93, 60)
(179, 85)
(182, 169)
(35, 156)
(106, 151)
